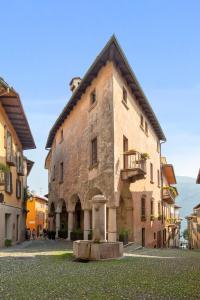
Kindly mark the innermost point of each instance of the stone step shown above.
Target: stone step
(131, 247)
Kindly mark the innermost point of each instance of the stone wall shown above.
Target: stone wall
(81, 126)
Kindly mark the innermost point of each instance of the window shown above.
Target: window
(151, 172)
(5, 137)
(152, 209)
(61, 172)
(94, 151)
(146, 128)
(158, 177)
(8, 179)
(93, 97)
(124, 95)
(54, 173)
(125, 149)
(142, 121)
(18, 188)
(61, 136)
(143, 209)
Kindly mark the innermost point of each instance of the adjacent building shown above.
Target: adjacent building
(193, 222)
(171, 211)
(37, 213)
(107, 140)
(15, 136)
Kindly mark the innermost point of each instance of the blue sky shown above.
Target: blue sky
(45, 43)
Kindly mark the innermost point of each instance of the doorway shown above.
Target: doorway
(143, 237)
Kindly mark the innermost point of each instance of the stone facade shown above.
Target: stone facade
(128, 167)
(193, 222)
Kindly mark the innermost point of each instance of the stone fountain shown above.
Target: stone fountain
(98, 248)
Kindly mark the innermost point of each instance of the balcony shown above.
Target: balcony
(10, 158)
(169, 194)
(134, 166)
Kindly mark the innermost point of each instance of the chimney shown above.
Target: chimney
(74, 83)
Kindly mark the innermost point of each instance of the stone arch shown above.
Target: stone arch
(89, 195)
(73, 199)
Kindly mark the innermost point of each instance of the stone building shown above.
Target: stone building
(107, 140)
(15, 136)
(193, 222)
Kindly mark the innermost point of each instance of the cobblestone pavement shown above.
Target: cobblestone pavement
(37, 247)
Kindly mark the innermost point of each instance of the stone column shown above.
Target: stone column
(86, 223)
(99, 218)
(57, 223)
(112, 224)
(70, 223)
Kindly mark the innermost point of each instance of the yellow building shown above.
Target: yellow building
(171, 214)
(37, 213)
(15, 136)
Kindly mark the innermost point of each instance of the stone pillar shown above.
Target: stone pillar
(70, 223)
(86, 223)
(57, 223)
(112, 224)
(99, 218)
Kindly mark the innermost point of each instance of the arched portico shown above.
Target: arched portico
(61, 217)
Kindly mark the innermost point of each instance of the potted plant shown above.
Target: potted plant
(123, 236)
(90, 235)
(77, 234)
(152, 218)
(144, 156)
(51, 235)
(63, 233)
(8, 243)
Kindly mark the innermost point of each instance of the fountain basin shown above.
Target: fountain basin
(89, 250)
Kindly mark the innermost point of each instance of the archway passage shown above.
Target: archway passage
(78, 216)
(63, 232)
(52, 218)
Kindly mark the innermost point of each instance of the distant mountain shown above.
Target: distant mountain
(189, 196)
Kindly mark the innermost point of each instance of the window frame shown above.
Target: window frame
(61, 173)
(124, 95)
(18, 188)
(151, 173)
(143, 208)
(93, 97)
(94, 152)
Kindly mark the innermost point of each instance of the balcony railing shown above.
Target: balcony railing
(134, 166)
(10, 158)
(169, 194)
